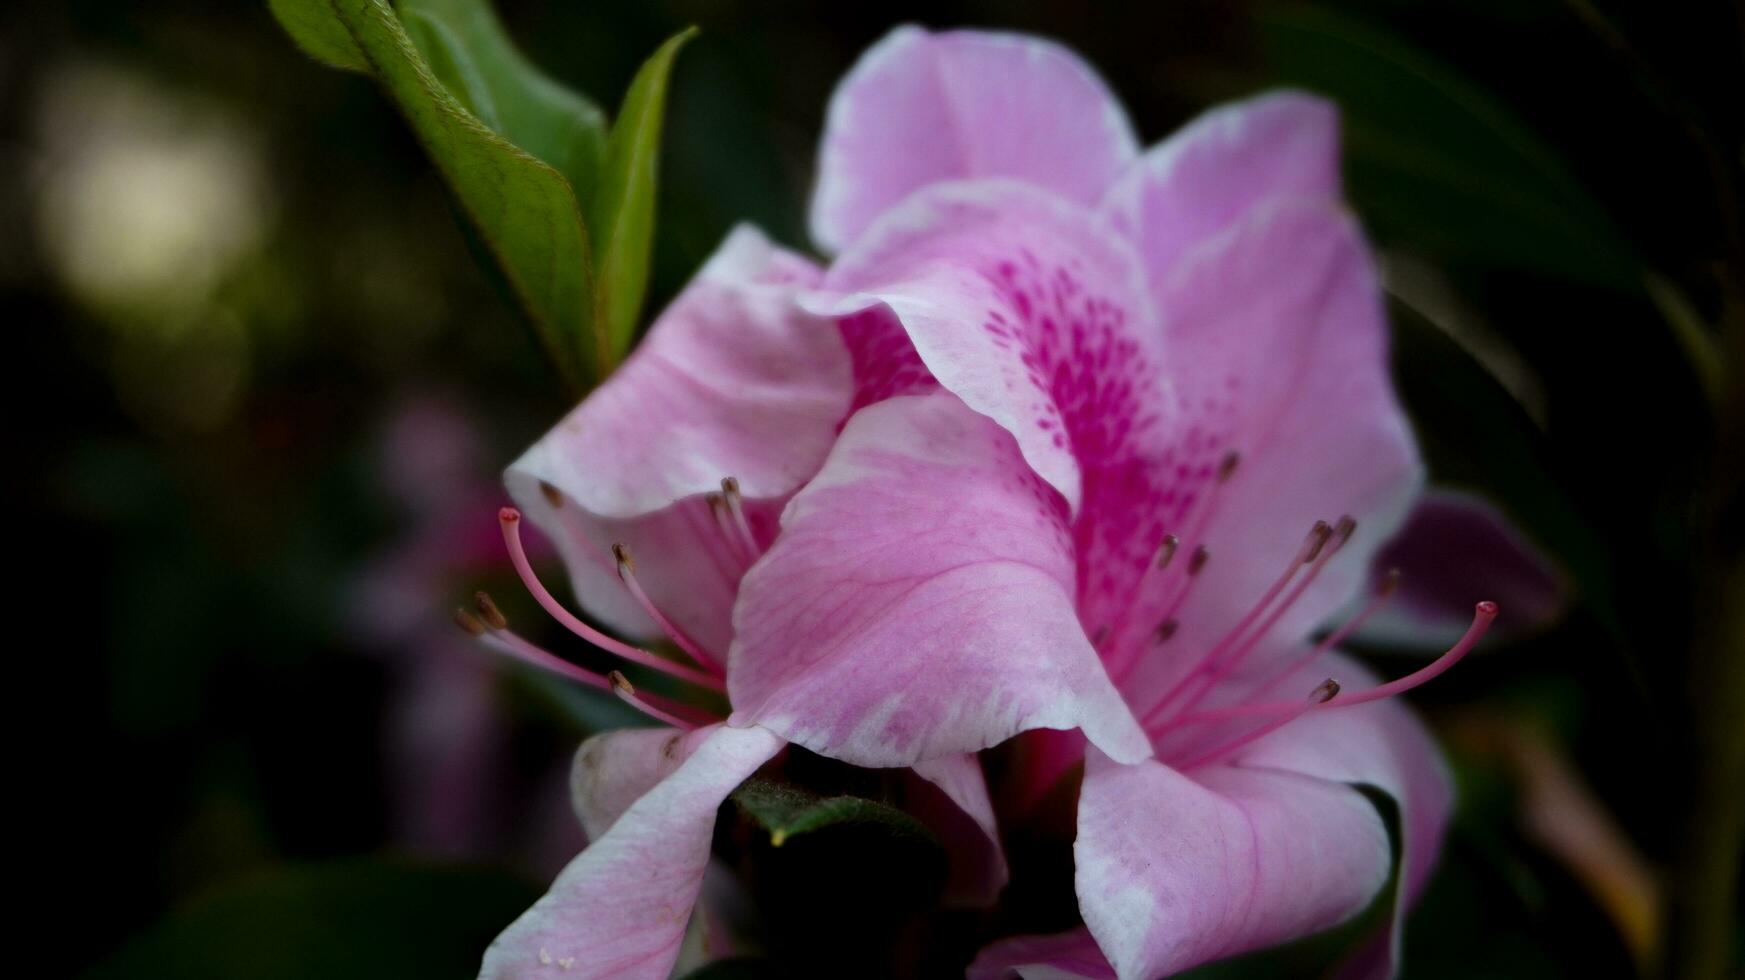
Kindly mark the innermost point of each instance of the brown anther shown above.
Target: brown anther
(488, 609)
(620, 683)
(1227, 466)
(553, 495)
(1390, 583)
(1166, 629)
(1316, 540)
(1198, 560)
(730, 487)
(717, 504)
(1343, 529)
(468, 622)
(1324, 692)
(1166, 550)
(621, 555)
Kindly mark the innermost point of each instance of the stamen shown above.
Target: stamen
(468, 622)
(516, 647)
(1227, 466)
(510, 519)
(1323, 692)
(627, 694)
(553, 495)
(1483, 615)
(493, 616)
(724, 524)
(1324, 549)
(627, 574)
(1312, 544)
(1166, 629)
(1166, 551)
(736, 510)
(1390, 584)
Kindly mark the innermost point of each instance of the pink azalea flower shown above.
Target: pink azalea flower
(1038, 450)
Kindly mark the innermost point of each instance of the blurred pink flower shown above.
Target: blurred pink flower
(1038, 450)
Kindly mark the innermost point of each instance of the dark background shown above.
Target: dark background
(261, 391)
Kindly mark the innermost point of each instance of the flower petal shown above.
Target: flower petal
(1280, 342)
(963, 818)
(732, 380)
(919, 108)
(1215, 170)
(621, 907)
(918, 602)
(1174, 871)
(1380, 744)
(1021, 303)
(614, 769)
(1455, 550)
(1063, 956)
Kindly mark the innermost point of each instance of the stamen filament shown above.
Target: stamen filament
(1323, 692)
(1390, 584)
(627, 574)
(627, 694)
(516, 647)
(510, 519)
(1483, 616)
(1305, 555)
(736, 510)
(1217, 671)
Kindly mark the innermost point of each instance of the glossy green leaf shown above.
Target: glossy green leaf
(524, 210)
(623, 215)
(319, 32)
(1435, 161)
(370, 918)
(469, 51)
(787, 812)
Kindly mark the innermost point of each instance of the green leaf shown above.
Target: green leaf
(468, 50)
(786, 812)
(623, 215)
(525, 211)
(319, 32)
(1436, 162)
(370, 918)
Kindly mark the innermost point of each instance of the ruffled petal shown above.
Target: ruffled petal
(732, 380)
(919, 108)
(918, 602)
(621, 907)
(1279, 345)
(963, 818)
(1174, 871)
(1024, 305)
(1215, 170)
(1455, 550)
(1063, 956)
